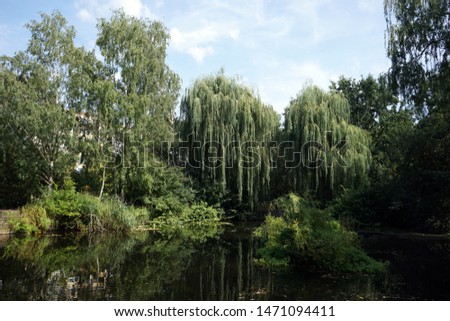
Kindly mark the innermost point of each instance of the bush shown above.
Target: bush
(78, 211)
(201, 212)
(117, 216)
(37, 216)
(64, 206)
(33, 220)
(198, 213)
(197, 222)
(21, 227)
(297, 232)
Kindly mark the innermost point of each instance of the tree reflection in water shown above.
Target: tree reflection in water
(190, 264)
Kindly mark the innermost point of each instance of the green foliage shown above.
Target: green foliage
(77, 211)
(65, 108)
(64, 206)
(418, 41)
(426, 173)
(296, 232)
(113, 120)
(197, 222)
(374, 107)
(109, 214)
(418, 44)
(33, 104)
(212, 193)
(390, 143)
(201, 212)
(148, 89)
(328, 152)
(227, 130)
(37, 216)
(368, 99)
(32, 220)
(21, 227)
(198, 213)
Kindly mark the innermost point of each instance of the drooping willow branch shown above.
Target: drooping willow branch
(328, 152)
(228, 130)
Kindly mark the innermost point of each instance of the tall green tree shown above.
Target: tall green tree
(368, 98)
(228, 131)
(146, 90)
(327, 152)
(418, 44)
(94, 98)
(34, 94)
(374, 107)
(135, 51)
(418, 39)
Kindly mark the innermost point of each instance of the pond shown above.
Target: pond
(194, 266)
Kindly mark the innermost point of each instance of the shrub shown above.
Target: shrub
(80, 211)
(64, 206)
(37, 216)
(201, 212)
(297, 232)
(197, 222)
(118, 216)
(33, 220)
(21, 227)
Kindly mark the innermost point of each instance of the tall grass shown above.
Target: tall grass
(33, 219)
(66, 209)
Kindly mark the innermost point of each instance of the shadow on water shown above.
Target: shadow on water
(208, 265)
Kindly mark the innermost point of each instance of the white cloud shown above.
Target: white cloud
(278, 46)
(234, 34)
(370, 6)
(198, 42)
(284, 80)
(84, 15)
(209, 24)
(90, 10)
(199, 53)
(311, 18)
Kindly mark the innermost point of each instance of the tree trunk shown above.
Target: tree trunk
(103, 182)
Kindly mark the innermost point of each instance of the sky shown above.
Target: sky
(274, 47)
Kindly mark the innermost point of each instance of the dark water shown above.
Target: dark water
(193, 266)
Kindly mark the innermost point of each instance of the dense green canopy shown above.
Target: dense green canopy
(418, 44)
(228, 130)
(326, 151)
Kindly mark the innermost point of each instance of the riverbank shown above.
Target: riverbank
(401, 233)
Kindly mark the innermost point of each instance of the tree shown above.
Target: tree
(34, 98)
(418, 38)
(134, 51)
(19, 167)
(368, 98)
(374, 107)
(418, 44)
(228, 131)
(327, 152)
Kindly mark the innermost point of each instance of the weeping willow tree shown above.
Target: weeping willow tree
(228, 132)
(326, 152)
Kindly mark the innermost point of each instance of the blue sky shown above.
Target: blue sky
(276, 47)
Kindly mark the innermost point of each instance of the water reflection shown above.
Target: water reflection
(193, 264)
